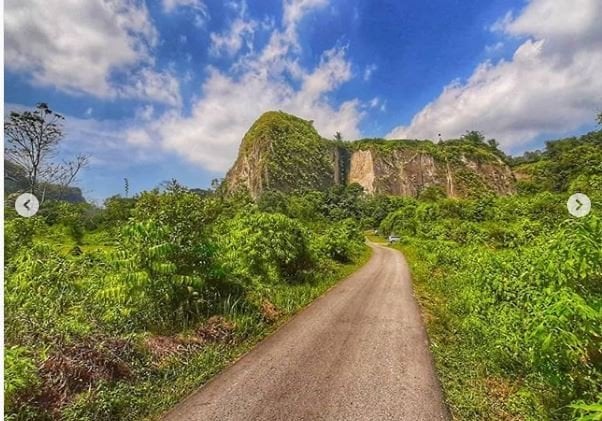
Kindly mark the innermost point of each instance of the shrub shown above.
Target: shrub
(154, 280)
(48, 296)
(262, 246)
(19, 233)
(341, 242)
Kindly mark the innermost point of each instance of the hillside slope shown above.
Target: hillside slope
(572, 164)
(15, 181)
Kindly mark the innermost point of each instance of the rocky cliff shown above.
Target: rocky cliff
(283, 152)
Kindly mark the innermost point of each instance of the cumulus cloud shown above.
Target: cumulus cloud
(269, 79)
(79, 46)
(551, 84)
(212, 134)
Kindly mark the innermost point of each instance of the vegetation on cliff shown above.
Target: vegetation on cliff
(572, 164)
(285, 153)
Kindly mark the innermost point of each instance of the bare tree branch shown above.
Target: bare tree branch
(31, 140)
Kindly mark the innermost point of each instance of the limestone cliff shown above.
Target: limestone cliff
(283, 152)
(407, 168)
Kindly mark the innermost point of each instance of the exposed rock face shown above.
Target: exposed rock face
(362, 171)
(407, 172)
(282, 152)
(285, 153)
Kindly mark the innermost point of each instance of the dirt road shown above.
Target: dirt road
(360, 352)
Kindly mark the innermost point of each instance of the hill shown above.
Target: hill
(15, 181)
(285, 153)
(571, 164)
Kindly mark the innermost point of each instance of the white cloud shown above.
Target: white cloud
(198, 8)
(138, 137)
(241, 32)
(145, 113)
(369, 70)
(171, 5)
(494, 48)
(295, 10)
(162, 87)
(78, 46)
(270, 79)
(550, 85)
(212, 134)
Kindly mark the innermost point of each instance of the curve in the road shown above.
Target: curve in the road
(360, 352)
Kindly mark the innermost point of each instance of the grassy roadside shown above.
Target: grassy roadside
(473, 388)
(154, 390)
(492, 364)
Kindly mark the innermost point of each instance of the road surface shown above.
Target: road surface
(360, 352)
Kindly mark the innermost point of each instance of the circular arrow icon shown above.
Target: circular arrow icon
(27, 205)
(579, 205)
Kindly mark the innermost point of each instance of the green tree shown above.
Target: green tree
(494, 144)
(474, 136)
(118, 209)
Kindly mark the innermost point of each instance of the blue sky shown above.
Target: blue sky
(166, 89)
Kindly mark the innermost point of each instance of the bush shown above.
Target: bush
(341, 242)
(530, 313)
(159, 284)
(19, 233)
(259, 247)
(117, 210)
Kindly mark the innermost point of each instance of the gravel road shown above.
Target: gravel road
(360, 352)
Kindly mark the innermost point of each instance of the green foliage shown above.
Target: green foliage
(20, 375)
(572, 164)
(149, 283)
(18, 234)
(588, 412)
(118, 209)
(297, 156)
(341, 242)
(432, 193)
(72, 217)
(185, 219)
(48, 296)
(527, 319)
(160, 264)
(165, 262)
(263, 246)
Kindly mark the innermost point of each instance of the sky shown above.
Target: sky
(166, 89)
